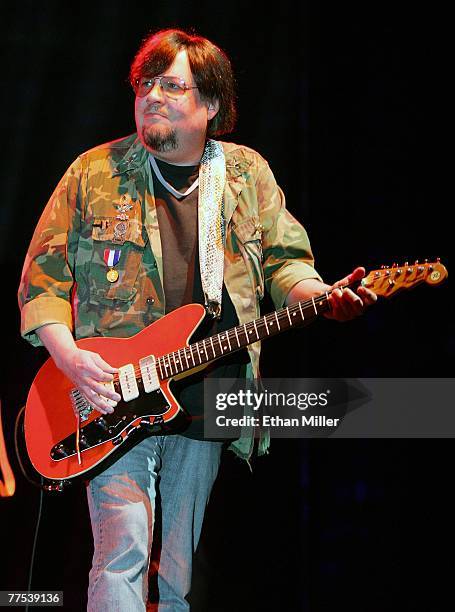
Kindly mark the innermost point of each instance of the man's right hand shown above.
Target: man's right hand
(86, 369)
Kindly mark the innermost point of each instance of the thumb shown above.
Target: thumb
(355, 275)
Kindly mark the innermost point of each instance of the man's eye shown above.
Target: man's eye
(173, 86)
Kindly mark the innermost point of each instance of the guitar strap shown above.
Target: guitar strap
(212, 178)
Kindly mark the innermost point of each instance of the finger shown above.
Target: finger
(346, 305)
(106, 367)
(105, 390)
(338, 307)
(97, 401)
(368, 296)
(352, 299)
(91, 369)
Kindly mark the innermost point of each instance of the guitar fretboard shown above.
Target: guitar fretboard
(239, 337)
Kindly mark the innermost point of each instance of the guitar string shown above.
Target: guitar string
(201, 347)
(282, 315)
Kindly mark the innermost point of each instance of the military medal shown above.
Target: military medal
(111, 258)
(112, 275)
(121, 227)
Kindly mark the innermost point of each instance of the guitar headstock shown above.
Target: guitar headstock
(387, 281)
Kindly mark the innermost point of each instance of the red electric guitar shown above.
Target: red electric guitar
(66, 437)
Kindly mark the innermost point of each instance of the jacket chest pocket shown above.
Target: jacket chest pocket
(117, 246)
(249, 242)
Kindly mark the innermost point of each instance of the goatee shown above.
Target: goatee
(158, 141)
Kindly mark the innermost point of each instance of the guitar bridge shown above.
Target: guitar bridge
(80, 405)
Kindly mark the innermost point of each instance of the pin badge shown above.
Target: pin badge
(121, 228)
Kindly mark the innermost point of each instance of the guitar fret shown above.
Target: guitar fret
(228, 341)
(219, 342)
(301, 311)
(170, 364)
(314, 306)
(165, 366)
(186, 359)
(266, 326)
(205, 349)
(287, 312)
(213, 348)
(161, 370)
(180, 360)
(256, 329)
(277, 322)
(246, 332)
(192, 356)
(237, 336)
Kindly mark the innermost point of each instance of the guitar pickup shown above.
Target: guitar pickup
(149, 373)
(128, 382)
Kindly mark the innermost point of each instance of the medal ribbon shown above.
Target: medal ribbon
(111, 257)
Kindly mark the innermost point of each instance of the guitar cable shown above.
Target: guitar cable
(35, 539)
(53, 485)
(42, 488)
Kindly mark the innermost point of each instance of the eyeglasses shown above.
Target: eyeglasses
(173, 87)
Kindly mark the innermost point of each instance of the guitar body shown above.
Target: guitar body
(50, 417)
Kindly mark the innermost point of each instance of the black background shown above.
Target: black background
(339, 101)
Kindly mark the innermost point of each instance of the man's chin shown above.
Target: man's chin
(160, 141)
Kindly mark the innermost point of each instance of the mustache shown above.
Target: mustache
(154, 108)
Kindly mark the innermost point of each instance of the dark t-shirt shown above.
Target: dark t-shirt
(178, 223)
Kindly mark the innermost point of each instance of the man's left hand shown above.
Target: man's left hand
(346, 304)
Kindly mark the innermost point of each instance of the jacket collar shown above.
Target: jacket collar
(237, 170)
(135, 157)
(237, 165)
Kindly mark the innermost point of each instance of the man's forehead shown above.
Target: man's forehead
(180, 65)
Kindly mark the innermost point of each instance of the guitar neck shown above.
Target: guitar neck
(384, 282)
(237, 338)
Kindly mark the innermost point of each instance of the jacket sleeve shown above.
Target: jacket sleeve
(287, 253)
(45, 289)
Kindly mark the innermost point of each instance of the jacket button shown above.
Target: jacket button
(150, 300)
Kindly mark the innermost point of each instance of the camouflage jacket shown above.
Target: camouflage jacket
(64, 276)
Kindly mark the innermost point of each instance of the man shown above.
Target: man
(136, 228)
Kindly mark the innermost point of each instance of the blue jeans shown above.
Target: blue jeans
(159, 488)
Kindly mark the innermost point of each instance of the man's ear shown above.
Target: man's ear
(213, 108)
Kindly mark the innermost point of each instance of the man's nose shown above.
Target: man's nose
(156, 92)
